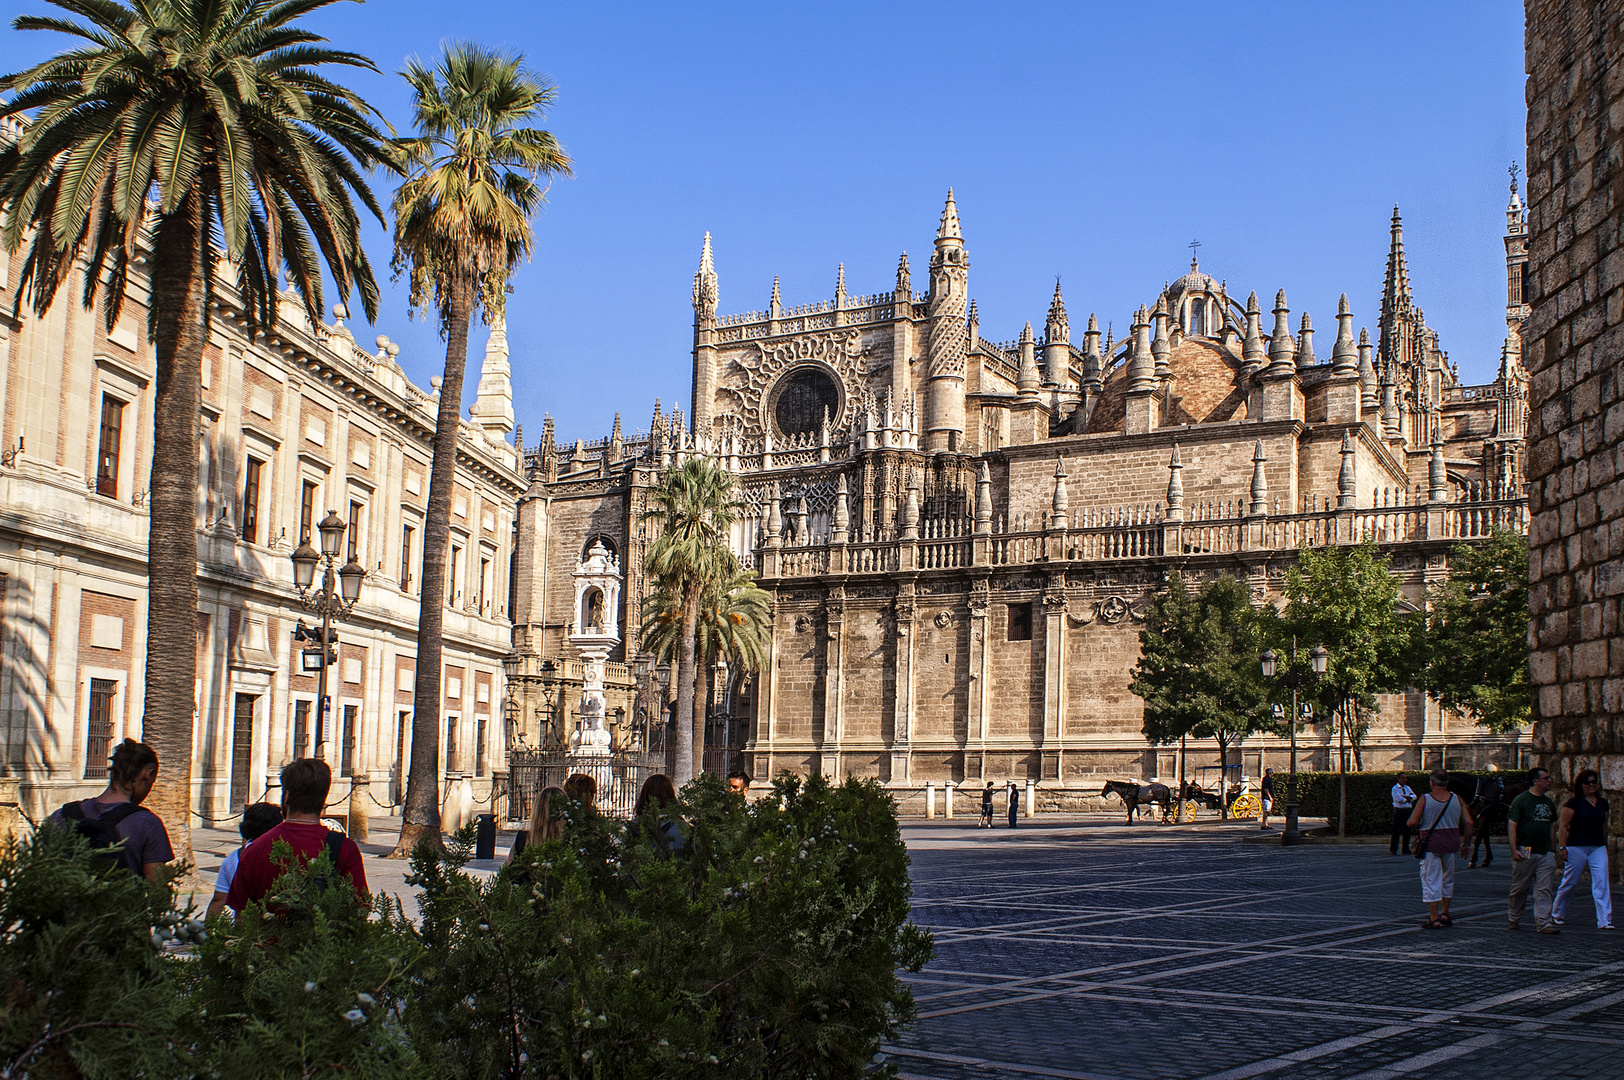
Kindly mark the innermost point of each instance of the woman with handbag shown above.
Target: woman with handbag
(1440, 820)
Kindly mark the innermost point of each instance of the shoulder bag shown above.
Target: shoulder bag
(1424, 835)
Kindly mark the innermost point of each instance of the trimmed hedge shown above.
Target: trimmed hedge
(1370, 803)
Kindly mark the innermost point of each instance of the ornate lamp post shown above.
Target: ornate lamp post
(339, 591)
(1294, 677)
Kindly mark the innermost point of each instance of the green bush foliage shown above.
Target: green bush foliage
(721, 939)
(1370, 803)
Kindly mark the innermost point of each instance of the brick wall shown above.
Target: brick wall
(1574, 350)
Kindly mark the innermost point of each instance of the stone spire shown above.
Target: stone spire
(949, 227)
(775, 306)
(1344, 354)
(1346, 479)
(1253, 353)
(1175, 487)
(493, 407)
(910, 509)
(840, 286)
(1305, 344)
(1282, 349)
(904, 290)
(1027, 379)
(1061, 504)
(705, 284)
(1260, 485)
(1093, 363)
(1159, 347)
(1389, 389)
(842, 510)
(983, 498)
(1369, 392)
(775, 518)
(1058, 328)
(1437, 472)
(1399, 319)
(1141, 364)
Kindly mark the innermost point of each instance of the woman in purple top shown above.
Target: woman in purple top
(1582, 843)
(1440, 819)
(130, 776)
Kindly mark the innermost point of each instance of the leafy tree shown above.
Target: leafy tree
(1197, 671)
(205, 134)
(1479, 633)
(695, 504)
(1347, 599)
(462, 226)
(734, 621)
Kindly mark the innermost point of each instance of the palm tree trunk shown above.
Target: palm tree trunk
(169, 712)
(420, 820)
(704, 702)
(682, 769)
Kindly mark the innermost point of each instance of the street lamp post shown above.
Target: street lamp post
(340, 589)
(1294, 678)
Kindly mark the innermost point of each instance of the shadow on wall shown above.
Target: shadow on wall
(25, 682)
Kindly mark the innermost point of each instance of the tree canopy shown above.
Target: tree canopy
(1478, 662)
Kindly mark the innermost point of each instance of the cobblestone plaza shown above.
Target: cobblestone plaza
(1087, 950)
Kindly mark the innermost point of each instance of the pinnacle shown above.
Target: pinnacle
(1342, 307)
(1093, 324)
(1280, 301)
(949, 227)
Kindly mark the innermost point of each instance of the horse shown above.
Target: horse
(1133, 794)
(1489, 800)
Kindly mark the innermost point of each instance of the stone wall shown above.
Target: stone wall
(1574, 350)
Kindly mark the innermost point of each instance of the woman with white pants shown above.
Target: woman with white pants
(1582, 843)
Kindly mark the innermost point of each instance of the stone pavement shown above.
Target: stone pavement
(1094, 950)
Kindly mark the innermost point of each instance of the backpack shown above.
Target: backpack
(335, 844)
(102, 832)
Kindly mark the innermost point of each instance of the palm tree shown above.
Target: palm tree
(462, 226)
(695, 505)
(201, 135)
(734, 618)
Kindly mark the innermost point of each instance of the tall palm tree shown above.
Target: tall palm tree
(734, 618)
(695, 505)
(202, 134)
(462, 226)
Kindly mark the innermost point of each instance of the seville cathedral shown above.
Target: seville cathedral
(959, 534)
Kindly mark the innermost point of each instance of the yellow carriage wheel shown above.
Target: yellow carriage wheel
(1191, 809)
(1246, 806)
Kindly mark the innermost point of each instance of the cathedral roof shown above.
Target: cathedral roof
(1206, 388)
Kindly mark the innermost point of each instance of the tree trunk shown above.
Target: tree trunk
(1223, 778)
(170, 708)
(1179, 814)
(682, 769)
(420, 820)
(704, 703)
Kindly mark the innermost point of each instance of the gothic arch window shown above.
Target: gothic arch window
(1198, 318)
(801, 398)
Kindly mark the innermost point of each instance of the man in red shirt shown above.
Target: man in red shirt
(305, 784)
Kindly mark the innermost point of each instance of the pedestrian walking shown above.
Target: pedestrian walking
(986, 807)
(257, 820)
(1533, 855)
(1267, 790)
(1403, 803)
(305, 784)
(117, 816)
(1440, 819)
(1014, 804)
(1583, 843)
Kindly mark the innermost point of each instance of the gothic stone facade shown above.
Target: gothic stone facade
(292, 425)
(961, 535)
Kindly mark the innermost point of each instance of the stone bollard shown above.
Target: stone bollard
(947, 799)
(360, 796)
(11, 811)
(930, 800)
(1031, 798)
(451, 818)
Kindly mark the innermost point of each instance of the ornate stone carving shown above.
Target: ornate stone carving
(840, 351)
(1112, 610)
(943, 619)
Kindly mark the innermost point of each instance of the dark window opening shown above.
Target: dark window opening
(112, 433)
(307, 511)
(1198, 318)
(99, 728)
(357, 513)
(301, 729)
(479, 747)
(250, 500)
(406, 534)
(346, 750)
(1020, 622)
(451, 744)
(802, 400)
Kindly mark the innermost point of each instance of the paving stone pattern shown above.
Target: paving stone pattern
(1092, 950)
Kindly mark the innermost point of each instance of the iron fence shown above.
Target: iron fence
(619, 777)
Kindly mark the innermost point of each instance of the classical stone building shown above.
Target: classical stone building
(303, 421)
(961, 534)
(1575, 54)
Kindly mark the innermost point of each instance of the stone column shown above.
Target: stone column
(1054, 672)
(834, 660)
(980, 678)
(903, 707)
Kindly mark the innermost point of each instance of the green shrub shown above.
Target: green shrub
(1370, 803)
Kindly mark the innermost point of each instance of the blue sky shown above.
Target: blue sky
(1087, 141)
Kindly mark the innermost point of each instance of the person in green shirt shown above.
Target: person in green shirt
(1533, 862)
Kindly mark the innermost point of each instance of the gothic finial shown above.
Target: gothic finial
(949, 227)
(1282, 349)
(1252, 351)
(1347, 478)
(1368, 392)
(983, 498)
(1305, 344)
(1026, 334)
(615, 434)
(1141, 363)
(1027, 379)
(1159, 347)
(1437, 472)
(1345, 354)
(777, 301)
(974, 316)
(1058, 328)
(705, 295)
(1175, 486)
(1061, 503)
(904, 279)
(1260, 487)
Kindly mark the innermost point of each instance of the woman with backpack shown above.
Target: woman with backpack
(116, 816)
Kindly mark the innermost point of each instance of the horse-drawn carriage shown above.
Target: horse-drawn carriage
(1218, 786)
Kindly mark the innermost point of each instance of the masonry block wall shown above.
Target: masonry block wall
(1575, 352)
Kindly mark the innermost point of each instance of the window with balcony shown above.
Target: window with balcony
(252, 475)
(112, 435)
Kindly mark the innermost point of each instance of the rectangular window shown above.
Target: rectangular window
(1515, 284)
(451, 596)
(242, 748)
(1020, 622)
(250, 499)
(356, 515)
(451, 744)
(484, 583)
(301, 729)
(307, 511)
(407, 534)
(99, 728)
(479, 747)
(346, 749)
(112, 434)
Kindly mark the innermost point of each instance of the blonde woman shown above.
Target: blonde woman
(546, 821)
